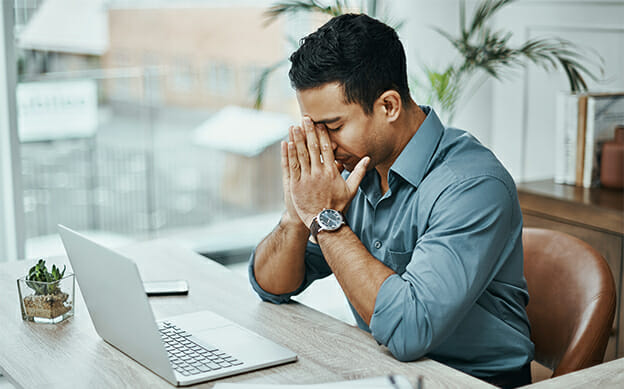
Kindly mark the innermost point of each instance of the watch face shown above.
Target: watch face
(330, 219)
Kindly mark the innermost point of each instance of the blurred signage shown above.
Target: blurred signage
(56, 110)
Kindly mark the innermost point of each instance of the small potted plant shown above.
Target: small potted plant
(46, 296)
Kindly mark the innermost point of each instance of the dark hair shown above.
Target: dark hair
(363, 54)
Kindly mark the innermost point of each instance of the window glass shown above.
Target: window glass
(136, 120)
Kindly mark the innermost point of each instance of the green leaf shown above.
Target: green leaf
(39, 273)
(462, 20)
(484, 12)
(296, 6)
(261, 83)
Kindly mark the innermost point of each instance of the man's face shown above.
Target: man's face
(354, 134)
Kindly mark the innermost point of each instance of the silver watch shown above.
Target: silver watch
(326, 220)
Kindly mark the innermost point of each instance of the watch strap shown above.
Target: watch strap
(314, 228)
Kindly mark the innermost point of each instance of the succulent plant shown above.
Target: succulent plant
(42, 281)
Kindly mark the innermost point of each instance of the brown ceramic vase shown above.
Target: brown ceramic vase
(612, 161)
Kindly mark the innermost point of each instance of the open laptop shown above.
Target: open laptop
(184, 349)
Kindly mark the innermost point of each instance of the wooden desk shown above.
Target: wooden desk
(595, 216)
(71, 354)
(608, 375)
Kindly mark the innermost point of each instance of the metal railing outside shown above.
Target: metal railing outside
(140, 173)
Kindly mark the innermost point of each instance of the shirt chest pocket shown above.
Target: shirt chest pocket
(398, 260)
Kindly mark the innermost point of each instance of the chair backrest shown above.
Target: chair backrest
(572, 300)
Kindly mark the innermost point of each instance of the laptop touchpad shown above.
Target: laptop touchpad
(240, 343)
(229, 335)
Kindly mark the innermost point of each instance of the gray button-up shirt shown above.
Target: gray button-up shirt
(450, 226)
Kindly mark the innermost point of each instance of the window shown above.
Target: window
(114, 118)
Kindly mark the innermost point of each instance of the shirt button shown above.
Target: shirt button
(378, 244)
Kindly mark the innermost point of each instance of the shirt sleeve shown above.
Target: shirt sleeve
(315, 268)
(452, 264)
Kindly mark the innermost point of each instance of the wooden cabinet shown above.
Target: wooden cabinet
(595, 216)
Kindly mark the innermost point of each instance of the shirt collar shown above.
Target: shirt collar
(412, 163)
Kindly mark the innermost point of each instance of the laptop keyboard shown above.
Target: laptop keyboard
(188, 357)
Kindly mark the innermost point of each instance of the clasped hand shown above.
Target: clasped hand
(311, 176)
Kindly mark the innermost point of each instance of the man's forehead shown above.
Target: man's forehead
(324, 104)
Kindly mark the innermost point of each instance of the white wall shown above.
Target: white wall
(515, 117)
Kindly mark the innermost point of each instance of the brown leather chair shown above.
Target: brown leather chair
(572, 300)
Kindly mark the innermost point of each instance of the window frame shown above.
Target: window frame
(12, 239)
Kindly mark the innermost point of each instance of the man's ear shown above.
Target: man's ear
(390, 105)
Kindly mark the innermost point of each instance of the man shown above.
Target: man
(429, 250)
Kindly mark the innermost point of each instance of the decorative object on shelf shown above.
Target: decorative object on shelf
(612, 161)
(46, 296)
(484, 52)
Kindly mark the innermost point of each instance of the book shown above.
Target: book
(580, 139)
(566, 130)
(604, 112)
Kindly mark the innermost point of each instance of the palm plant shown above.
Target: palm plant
(481, 50)
(484, 50)
(338, 8)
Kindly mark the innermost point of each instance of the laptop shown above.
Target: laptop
(184, 349)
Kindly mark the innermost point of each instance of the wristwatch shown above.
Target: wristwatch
(327, 220)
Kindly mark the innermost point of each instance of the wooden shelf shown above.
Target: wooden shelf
(598, 208)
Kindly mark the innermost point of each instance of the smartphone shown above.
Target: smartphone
(166, 288)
